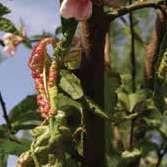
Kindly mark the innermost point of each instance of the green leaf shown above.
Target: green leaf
(131, 154)
(38, 37)
(68, 29)
(147, 146)
(72, 60)
(3, 131)
(160, 90)
(135, 98)
(24, 125)
(3, 10)
(71, 84)
(123, 100)
(96, 109)
(12, 147)
(163, 126)
(132, 100)
(67, 101)
(112, 82)
(131, 116)
(24, 115)
(27, 43)
(3, 159)
(7, 26)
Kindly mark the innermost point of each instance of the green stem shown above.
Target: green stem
(133, 69)
(132, 54)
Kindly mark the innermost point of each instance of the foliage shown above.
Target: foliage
(134, 112)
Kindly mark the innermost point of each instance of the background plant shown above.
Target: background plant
(101, 92)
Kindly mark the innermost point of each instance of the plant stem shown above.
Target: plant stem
(5, 115)
(132, 54)
(131, 134)
(133, 69)
(132, 139)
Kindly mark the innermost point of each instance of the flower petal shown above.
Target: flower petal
(10, 50)
(7, 36)
(84, 10)
(78, 9)
(11, 41)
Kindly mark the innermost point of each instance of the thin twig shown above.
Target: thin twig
(136, 6)
(133, 69)
(132, 54)
(5, 115)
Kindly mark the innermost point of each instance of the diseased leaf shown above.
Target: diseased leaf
(147, 146)
(71, 84)
(71, 108)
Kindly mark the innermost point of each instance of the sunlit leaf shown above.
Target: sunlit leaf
(96, 110)
(132, 154)
(71, 84)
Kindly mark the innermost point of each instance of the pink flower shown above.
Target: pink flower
(78, 9)
(11, 41)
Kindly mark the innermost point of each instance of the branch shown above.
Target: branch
(135, 6)
(5, 115)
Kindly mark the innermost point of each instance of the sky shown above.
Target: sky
(16, 82)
